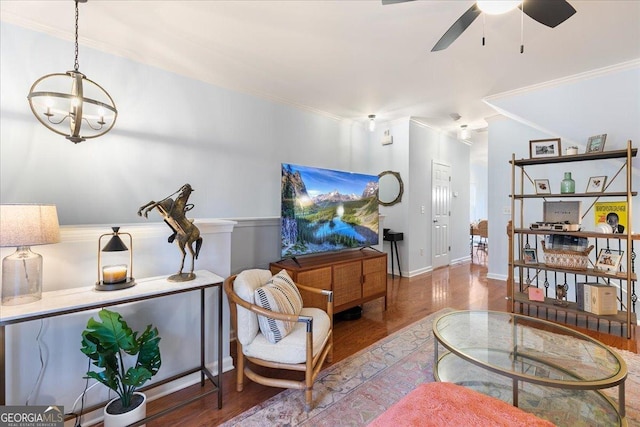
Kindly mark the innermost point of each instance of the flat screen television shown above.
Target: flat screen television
(326, 210)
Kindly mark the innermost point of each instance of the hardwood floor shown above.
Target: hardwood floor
(463, 286)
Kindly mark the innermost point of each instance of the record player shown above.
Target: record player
(560, 216)
(555, 226)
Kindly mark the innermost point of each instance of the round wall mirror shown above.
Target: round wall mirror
(390, 188)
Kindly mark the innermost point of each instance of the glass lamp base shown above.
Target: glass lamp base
(21, 277)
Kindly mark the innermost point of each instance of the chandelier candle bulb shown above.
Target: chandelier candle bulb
(114, 273)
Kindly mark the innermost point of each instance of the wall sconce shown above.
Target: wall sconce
(115, 275)
(23, 226)
(372, 122)
(56, 98)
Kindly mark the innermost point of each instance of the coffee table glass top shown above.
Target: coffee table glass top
(531, 349)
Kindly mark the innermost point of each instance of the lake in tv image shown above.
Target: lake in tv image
(326, 210)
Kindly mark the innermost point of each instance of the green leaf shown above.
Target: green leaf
(105, 341)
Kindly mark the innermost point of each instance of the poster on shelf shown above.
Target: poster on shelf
(612, 213)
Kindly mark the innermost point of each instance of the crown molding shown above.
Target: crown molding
(635, 63)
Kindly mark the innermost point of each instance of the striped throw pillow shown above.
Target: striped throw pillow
(280, 295)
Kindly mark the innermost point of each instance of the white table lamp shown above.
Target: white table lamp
(23, 226)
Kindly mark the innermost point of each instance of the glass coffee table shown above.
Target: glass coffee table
(541, 367)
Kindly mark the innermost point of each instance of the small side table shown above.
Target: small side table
(394, 237)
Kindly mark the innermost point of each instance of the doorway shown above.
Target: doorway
(440, 213)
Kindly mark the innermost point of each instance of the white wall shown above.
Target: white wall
(394, 157)
(478, 182)
(605, 101)
(426, 145)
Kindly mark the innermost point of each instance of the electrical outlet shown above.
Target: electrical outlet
(421, 252)
(506, 210)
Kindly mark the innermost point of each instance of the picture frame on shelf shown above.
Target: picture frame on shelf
(596, 184)
(535, 294)
(529, 256)
(595, 144)
(540, 148)
(542, 186)
(609, 260)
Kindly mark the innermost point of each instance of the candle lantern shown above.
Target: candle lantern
(115, 275)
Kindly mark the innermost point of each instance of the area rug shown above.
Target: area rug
(354, 391)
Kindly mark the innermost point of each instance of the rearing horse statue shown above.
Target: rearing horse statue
(173, 212)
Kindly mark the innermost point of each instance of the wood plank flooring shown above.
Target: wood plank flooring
(463, 286)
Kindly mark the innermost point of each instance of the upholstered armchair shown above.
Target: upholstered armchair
(275, 331)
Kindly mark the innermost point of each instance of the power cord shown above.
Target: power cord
(42, 349)
(78, 419)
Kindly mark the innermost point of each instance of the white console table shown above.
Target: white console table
(57, 303)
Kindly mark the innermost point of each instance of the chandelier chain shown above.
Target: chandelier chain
(76, 65)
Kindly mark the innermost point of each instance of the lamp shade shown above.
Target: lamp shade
(115, 244)
(28, 225)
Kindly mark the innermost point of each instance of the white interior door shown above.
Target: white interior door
(440, 213)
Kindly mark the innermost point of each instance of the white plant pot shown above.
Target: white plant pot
(122, 420)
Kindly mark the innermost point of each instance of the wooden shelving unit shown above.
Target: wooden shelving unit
(523, 275)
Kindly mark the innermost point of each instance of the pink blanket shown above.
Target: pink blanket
(441, 404)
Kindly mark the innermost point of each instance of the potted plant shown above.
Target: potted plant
(109, 343)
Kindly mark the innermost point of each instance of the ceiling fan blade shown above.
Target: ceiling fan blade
(458, 28)
(386, 2)
(548, 12)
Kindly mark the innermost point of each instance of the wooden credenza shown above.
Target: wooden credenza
(355, 277)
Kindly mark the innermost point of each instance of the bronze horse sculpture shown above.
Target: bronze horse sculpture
(185, 233)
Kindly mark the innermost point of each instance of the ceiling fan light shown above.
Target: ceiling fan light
(497, 7)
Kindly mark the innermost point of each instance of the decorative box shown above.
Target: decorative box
(600, 299)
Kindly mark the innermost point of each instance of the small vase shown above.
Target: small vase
(568, 185)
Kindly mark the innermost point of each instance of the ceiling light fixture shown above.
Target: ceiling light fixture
(372, 122)
(54, 98)
(497, 7)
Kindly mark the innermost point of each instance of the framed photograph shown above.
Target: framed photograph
(542, 186)
(595, 144)
(609, 260)
(596, 184)
(544, 148)
(529, 256)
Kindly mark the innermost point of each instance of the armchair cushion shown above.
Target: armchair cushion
(292, 348)
(244, 286)
(280, 295)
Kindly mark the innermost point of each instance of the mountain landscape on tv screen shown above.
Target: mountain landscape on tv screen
(326, 210)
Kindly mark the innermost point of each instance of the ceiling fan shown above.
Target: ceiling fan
(547, 12)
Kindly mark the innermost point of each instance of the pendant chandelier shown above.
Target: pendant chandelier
(72, 105)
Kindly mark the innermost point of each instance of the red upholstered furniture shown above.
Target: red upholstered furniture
(442, 404)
